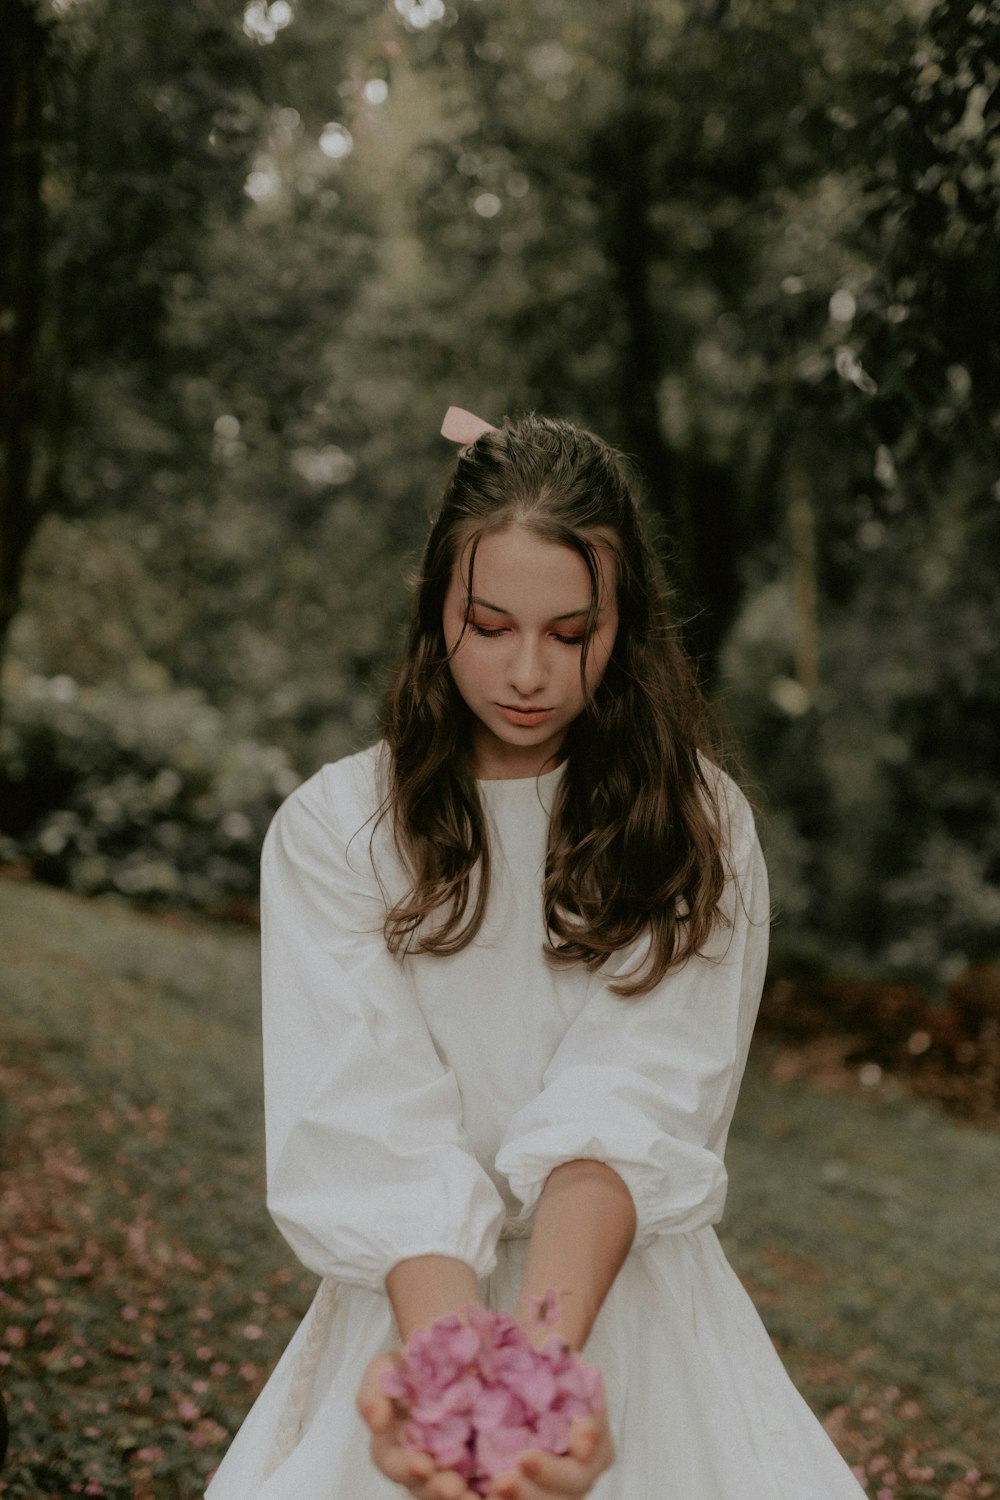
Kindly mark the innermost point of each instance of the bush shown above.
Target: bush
(148, 795)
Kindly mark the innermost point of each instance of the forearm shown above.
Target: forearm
(583, 1229)
(427, 1287)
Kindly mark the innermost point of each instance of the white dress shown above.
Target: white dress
(417, 1107)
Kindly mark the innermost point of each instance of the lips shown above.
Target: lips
(526, 717)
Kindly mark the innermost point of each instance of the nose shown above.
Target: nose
(526, 668)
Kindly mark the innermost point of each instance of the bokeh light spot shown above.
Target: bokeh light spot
(263, 182)
(262, 21)
(420, 13)
(843, 306)
(336, 141)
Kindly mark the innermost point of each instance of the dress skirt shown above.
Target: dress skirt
(700, 1406)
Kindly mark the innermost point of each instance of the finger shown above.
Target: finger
(507, 1486)
(415, 1470)
(573, 1473)
(519, 1487)
(546, 1475)
(524, 1482)
(375, 1406)
(442, 1485)
(591, 1443)
(401, 1465)
(417, 1473)
(584, 1436)
(449, 1485)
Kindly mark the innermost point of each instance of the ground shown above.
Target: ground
(145, 1295)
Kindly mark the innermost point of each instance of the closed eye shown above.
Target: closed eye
(481, 630)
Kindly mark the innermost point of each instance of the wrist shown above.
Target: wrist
(572, 1324)
(427, 1287)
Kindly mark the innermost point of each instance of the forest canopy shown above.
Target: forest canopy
(252, 252)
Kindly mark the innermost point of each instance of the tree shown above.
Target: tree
(116, 149)
(600, 194)
(26, 483)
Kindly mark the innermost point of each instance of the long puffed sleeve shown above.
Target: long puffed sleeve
(648, 1085)
(368, 1163)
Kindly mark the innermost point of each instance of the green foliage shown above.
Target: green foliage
(924, 130)
(753, 249)
(148, 139)
(147, 796)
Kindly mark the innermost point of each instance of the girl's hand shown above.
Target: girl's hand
(384, 1420)
(551, 1476)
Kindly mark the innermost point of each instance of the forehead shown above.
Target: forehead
(517, 567)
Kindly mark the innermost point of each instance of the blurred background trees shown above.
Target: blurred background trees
(257, 249)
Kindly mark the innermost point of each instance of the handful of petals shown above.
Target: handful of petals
(477, 1392)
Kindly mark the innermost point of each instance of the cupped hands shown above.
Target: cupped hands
(538, 1476)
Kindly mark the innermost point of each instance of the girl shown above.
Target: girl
(512, 958)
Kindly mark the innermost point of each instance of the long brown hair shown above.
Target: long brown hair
(635, 840)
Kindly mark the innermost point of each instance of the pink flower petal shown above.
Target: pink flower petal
(478, 1393)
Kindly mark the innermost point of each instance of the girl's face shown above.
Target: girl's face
(517, 661)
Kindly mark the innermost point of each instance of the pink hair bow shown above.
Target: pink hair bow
(462, 427)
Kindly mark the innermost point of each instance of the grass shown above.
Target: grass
(145, 1295)
(866, 1229)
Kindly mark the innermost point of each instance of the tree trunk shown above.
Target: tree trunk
(620, 169)
(23, 58)
(802, 525)
(695, 497)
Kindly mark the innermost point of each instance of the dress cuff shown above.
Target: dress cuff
(361, 1248)
(678, 1186)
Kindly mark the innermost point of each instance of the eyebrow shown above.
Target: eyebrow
(571, 614)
